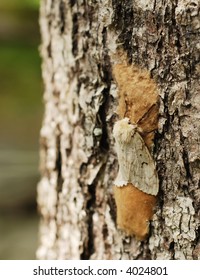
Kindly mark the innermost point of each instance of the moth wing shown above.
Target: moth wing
(136, 165)
(124, 164)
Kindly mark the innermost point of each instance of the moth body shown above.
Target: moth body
(136, 185)
(136, 165)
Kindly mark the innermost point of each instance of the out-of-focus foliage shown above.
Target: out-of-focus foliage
(20, 77)
(20, 119)
(19, 4)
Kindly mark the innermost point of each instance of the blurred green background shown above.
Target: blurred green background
(20, 120)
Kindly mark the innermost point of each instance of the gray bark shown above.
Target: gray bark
(80, 40)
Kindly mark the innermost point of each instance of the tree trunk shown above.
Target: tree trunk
(84, 44)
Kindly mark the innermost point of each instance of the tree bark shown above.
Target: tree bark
(82, 41)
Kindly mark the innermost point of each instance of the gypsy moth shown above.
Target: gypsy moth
(136, 165)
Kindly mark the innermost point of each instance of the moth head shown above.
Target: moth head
(123, 130)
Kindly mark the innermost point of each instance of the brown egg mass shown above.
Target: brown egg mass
(134, 210)
(138, 101)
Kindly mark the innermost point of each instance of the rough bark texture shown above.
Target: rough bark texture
(80, 40)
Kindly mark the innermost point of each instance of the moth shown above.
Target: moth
(136, 165)
(136, 185)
